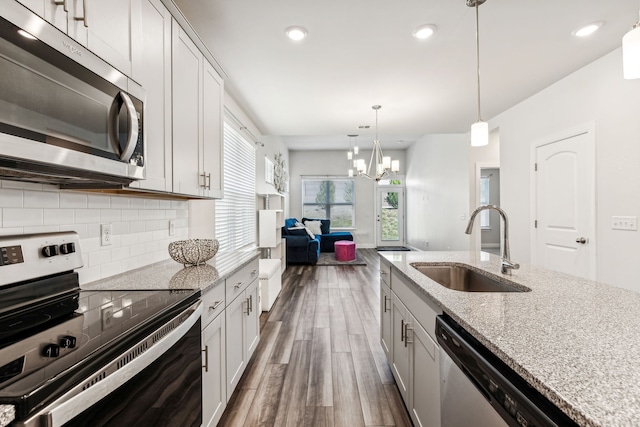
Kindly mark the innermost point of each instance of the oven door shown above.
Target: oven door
(157, 382)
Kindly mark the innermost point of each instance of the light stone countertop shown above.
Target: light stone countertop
(169, 274)
(576, 341)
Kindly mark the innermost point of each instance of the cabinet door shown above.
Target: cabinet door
(424, 377)
(186, 89)
(214, 388)
(399, 347)
(236, 339)
(153, 71)
(252, 319)
(54, 13)
(212, 106)
(385, 320)
(110, 29)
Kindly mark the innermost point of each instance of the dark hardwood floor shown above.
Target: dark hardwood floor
(319, 361)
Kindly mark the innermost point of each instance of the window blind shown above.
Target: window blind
(236, 212)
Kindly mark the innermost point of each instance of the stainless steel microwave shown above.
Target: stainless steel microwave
(66, 116)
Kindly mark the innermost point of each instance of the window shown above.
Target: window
(236, 213)
(329, 198)
(484, 200)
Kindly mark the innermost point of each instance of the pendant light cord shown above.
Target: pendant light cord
(478, 58)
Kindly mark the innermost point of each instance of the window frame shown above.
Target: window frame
(329, 204)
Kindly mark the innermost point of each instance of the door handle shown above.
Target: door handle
(248, 312)
(386, 298)
(582, 240)
(206, 358)
(407, 328)
(402, 330)
(122, 100)
(83, 18)
(63, 3)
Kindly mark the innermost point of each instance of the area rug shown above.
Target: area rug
(392, 248)
(329, 258)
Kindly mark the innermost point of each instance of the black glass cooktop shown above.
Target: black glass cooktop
(48, 343)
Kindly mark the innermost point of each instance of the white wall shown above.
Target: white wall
(438, 192)
(596, 93)
(335, 163)
(140, 225)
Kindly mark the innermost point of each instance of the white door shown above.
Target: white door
(565, 204)
(390, 216)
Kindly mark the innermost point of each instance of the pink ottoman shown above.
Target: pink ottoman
(345, 250)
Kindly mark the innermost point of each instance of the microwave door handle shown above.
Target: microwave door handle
(122, 100)
(132, 139)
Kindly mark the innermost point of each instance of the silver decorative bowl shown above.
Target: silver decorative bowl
(193, 251)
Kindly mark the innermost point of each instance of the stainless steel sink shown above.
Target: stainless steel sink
(462, 278)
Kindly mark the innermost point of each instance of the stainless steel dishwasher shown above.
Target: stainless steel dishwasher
(477, 389)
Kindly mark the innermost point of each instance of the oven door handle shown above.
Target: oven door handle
(122, 100)
(75, 401)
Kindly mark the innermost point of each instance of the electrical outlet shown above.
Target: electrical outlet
(172, 228)
(426, 243)
(624, 223)
(107, 317)
(106, 234)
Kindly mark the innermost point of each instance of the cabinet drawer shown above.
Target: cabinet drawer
(385, 271)
(213, 302)
(424, 310)
(238, 281)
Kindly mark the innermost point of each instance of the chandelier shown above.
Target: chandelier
(383, 165)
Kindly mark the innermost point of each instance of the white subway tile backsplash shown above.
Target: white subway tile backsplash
(73, 200)
(120, 202)
(81, 229)
(110, 215)
(99, 258)
(21, 217)
(140, 225)
(41, 229)
(11, 198)
(152, 204)
(41, 199)
(87, 216)
(137, 227)
(130, 215)
(98, 201)
(59, 216)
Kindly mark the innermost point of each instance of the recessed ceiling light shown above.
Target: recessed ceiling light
(296, 33)
(24, 34)
(587, 30)
(424, 31)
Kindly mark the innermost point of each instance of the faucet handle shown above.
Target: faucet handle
(507, 265)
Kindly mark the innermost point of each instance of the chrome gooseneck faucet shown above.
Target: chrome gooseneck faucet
(506, 265)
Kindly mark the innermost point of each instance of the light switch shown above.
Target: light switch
(624, 223)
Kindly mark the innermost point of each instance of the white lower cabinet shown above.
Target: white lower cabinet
(243, 324)
(413, 352)
(214, 387)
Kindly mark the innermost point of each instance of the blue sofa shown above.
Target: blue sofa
(302, 249)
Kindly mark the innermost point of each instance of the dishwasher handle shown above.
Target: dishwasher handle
(78, 399)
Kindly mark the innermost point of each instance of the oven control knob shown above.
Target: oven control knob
(51, 350)
(49, 251)
(67, 248)
(68, 341)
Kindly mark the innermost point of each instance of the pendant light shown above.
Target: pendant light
(480, 129)
(631, 52)
(383, 165)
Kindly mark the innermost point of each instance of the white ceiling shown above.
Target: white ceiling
(360, 52)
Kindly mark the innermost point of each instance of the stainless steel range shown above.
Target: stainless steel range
(75, 357)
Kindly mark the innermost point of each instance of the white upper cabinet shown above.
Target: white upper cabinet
(212, 110)
(197, 120)
(53, 11)
(153, 72)
(110, 29)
